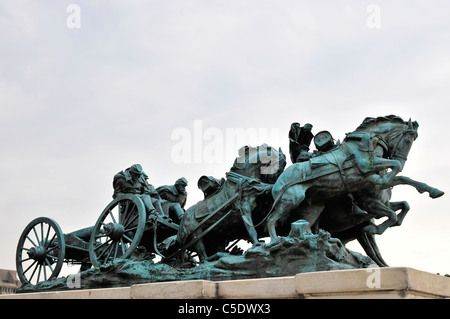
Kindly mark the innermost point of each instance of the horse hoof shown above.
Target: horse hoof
(435, 193)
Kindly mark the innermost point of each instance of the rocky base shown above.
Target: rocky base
(300, 252)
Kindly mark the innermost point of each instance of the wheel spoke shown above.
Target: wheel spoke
(51, 249)
(130, 214)
(122, 245)
(116, 250)
(49, 265)
(106, 242)
(34, 271)
(110, 248)
(42, 232)
(48, 234)
(52, 258)
(39, 273)
(102, 253)
(37, 237)
(107, 248)
(112, 216)
(30, 267)
(26, 259)
(130, 229)
(131, 221)
(32, 241)
(47, 244)
(45, 272)
(127, 238)
(122, 212)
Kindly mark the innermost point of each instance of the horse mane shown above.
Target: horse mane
(371, 121)
(241, 163)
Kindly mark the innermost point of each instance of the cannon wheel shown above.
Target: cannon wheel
(40, 251)
(118, 230)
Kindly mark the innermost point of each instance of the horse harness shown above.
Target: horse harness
(242, 182)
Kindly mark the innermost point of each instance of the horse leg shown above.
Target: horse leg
(368, 243)
(404, 206)
(289, 200)
(381, 210)
(201, 250)
(246, 211)
(419, 186)
(382, 164)
(311, 213)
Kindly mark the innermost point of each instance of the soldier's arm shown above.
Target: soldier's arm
(150, 190)
(118, 187)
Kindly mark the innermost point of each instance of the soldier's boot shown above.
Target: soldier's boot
(356, 210)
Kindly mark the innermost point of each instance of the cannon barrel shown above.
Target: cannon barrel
(84, 234)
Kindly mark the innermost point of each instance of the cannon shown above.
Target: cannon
(122, 226)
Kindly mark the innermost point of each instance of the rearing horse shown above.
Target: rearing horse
(378, 144)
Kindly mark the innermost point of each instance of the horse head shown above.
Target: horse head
(397, 135)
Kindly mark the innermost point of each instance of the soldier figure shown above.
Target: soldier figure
(299, 141)
(134, 181)
(174, 198)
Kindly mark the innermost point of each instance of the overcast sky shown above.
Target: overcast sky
(84, 96)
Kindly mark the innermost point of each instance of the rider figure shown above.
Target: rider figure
(300, 140)
(134, 181)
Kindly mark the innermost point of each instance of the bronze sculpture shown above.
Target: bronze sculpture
(257, 198)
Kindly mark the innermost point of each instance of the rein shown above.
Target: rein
(393, 153)
(374, 140)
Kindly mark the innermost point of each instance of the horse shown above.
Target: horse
(378, 144)
(339, 220)
(338, 217)
(226, 215)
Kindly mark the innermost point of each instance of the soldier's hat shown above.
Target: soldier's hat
(323, 141)
(136, 169)
(181, 181)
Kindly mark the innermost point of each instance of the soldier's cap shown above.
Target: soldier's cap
(181, 181)
(323, 138)
(136, 169)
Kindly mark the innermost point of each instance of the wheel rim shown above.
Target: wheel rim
(40, 251)
(118, 230)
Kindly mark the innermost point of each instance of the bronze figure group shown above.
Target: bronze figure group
(339, 187)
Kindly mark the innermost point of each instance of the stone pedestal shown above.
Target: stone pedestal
(387, 283)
